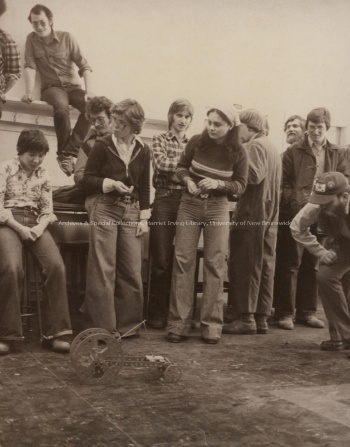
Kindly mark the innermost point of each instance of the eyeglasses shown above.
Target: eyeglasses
(99, 120)
(121, 124)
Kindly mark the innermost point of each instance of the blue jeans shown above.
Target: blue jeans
(162, 234)
(55, 312)
(60, 99)
(114, 293)
(212, 216)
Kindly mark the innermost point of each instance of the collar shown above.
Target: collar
(135, 140)
(312, 144)
(54, 36)
(170, 135)
(16, 166)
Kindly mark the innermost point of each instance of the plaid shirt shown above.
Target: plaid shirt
(166, 151)
(10, 63)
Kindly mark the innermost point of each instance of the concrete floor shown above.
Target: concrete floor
(277, 389)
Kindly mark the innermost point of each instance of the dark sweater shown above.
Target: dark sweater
(215, 161)
(104, 162)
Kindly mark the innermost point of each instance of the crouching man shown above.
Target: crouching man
(328, 206)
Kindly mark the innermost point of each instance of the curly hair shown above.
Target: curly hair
(32, 141)
(132, 112)
(98, 104)
(295, 117)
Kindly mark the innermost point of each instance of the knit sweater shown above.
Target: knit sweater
(105, 162)
(215, 161)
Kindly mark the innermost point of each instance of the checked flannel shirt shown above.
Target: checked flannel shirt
(10, 62)
(166, 151)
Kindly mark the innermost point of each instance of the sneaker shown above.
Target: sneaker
(311, 321)
(286, 323)
(56, 345)
(4, 347)
(240, 327)
(66, 163)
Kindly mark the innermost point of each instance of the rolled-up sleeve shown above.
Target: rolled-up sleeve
(300, 228)
(77, 56)
(46, 202)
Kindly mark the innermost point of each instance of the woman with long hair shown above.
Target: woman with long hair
(213, 166)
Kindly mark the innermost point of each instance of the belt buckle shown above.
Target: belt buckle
(127, 199)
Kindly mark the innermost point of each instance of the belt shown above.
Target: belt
(127, 199)
(208, 195)
(33, 209)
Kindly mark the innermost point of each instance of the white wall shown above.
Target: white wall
(280, 56)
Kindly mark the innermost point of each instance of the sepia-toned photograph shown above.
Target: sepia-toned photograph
(174, 223)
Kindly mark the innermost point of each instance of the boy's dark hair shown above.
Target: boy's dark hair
(37, 9)
(318, 116)
(32, 141)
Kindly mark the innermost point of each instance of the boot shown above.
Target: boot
(245, 325)
(261, 323)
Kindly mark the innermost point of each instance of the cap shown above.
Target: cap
(327, 186)
(230, 112)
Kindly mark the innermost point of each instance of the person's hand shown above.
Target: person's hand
(142, 227)
(208, 183)
(28, 98)
(37, 231)
(26, 234)
(122, 188)
(328, 258)
(175, 179)
(88, 95)
(192, 187)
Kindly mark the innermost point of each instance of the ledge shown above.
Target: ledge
(39, 113)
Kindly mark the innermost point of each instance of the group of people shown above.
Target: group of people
(285, 204)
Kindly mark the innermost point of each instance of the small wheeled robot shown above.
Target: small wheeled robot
(98, 357)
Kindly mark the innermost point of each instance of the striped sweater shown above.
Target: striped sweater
(213, 161)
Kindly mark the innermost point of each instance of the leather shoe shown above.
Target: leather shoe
(261, 324)
(56, 345)
(335, 345)
(311, 321)
(286, 323)
(174, 338)
(211, 340)
(156, 323)
(4, 348)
